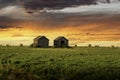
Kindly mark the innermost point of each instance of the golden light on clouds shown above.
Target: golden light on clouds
(79, 29)
(78, 35)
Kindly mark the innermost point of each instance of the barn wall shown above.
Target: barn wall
(58, 43)
(43, 43)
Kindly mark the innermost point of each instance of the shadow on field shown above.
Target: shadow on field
(8, 72)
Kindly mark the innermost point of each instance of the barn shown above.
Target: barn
(61, 42)
(41, 42)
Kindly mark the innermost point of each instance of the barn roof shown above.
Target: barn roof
(60, 37)
(40, 37)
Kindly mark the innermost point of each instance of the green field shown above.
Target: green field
(83, 63)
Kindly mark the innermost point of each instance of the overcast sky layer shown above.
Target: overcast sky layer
(82, 21)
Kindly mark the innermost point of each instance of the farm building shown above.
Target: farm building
(41, 42)
(60, 42)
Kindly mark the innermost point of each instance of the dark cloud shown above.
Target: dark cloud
(4, 26)
(4, 3)
(7, 26)
(44, 5)
(62, 20)
(97, 22)
(52, 20)
(7, 1)
(8, 19)
(7, 22)
(55, 4)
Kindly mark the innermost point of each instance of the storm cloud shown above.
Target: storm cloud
(55, 4)
(70, 13)
(44, 5)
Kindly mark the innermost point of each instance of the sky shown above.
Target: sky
(83, 22)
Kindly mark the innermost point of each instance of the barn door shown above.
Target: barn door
(62, 44)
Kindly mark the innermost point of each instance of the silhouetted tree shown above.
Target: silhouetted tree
(7, 45)
(0, 44)
(21, 45)
(76, 45)
(97, 46)
(89, 45)
(112, 46)
(34, 45)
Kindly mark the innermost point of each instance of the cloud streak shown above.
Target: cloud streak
(113, 8)
(55, 4)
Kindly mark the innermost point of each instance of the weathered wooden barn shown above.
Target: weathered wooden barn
(61, 42)
(41, 42)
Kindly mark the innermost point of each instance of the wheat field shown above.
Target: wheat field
(81, 63)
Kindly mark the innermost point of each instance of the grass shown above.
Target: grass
(82, 63)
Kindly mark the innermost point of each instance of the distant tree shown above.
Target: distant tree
(21, 45)
(89, 45)
(117, 47)
(75, 45)
(34, 45)
(7, 45)
(31, 45)
(112, 46)
(97, 46)
(0, 44)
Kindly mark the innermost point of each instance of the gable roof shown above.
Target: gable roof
(60, 37)
(40, 37)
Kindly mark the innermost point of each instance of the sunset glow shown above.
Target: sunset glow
(82, 25)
